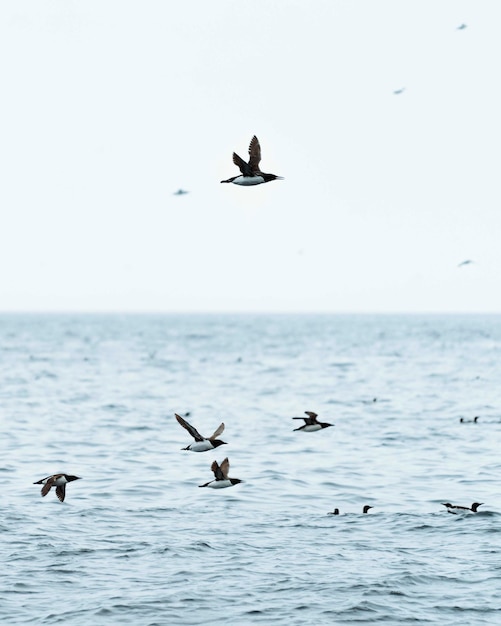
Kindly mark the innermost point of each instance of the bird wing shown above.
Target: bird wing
(218, 473)
(48, 485)
(193, 431)
(254, 154)
(312, 417)
(225, 467)
(217, 432)
(61, 492)
(242, 165)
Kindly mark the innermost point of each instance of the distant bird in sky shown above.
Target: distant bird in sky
(462, 26)
(201, 444)
(221, 476)
(180, 192)
(397, 92)
(467, 262)
(251, 174)
(311, 423)
(59, 481)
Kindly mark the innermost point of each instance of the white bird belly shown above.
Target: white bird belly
(247, 181)
(201, 446)
(310, 428)
(220, 484)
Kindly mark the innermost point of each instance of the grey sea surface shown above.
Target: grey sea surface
(137, 542)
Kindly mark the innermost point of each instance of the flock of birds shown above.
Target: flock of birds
(220, 470)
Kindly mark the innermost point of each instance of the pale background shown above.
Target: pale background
(108, 107)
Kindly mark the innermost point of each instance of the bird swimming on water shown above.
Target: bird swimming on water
(465, 421)
(221, 476)
(365, 510)
(453, 508)
(59, 481)
(201, 443)
(251, 174)
(311, 423)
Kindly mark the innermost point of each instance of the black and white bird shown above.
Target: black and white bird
(202, 444)
(59, 481)
(221, 476)
(251, 174)
(311, 424)
(454, 508)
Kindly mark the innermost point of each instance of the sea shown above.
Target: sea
(137, 542)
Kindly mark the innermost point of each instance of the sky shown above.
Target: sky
(109, 106)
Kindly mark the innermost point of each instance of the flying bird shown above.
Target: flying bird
(58, 481)
(467, 262)
(221, 476)
(453, 508)
(311, 423)
(397, 92)
(180, 192)
(462, 26)
(201, 443)
(251, 174)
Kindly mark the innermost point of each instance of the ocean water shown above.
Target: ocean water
(137, 542)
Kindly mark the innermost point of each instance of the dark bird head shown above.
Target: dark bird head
(235, 481)
(447, 504)
(475, 419)
(71, 478)
(367, 507)
(475, 506)
(335, 512)
(218, 442)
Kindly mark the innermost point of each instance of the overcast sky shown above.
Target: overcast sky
(108, 107)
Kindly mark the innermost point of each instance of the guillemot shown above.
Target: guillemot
(454, 508)
(465, 421)
(311, 423)
(251, 174)
(365, 510)
(58, 481)
(201, 443)
(221, 474)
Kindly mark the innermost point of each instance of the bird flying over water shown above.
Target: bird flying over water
(180, 192)
(221, 476)
(251, 174)
(201, 443)
(467, 262)
(311, 423)
(453, 508)
(397, 92)
(58, 481)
